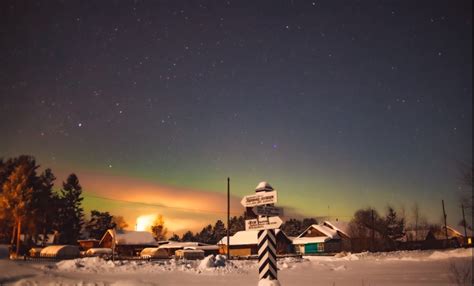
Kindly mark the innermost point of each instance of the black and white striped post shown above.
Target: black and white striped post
(264, 217)
(267, 262)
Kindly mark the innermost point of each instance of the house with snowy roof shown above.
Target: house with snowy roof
(435, 237)
(172, 246)
(128, 243)
(318, 238)
(245, 243)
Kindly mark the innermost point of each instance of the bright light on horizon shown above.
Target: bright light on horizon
(144, 222)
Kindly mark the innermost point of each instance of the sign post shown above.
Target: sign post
(261, 204)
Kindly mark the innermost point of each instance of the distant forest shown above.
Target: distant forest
(31, 209)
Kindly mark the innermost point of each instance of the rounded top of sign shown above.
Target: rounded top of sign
(263, 187)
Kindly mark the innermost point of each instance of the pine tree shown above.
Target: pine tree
(206, 235)
(43, 204)
(99, 223)
(394, 226)
(218, 231)
(237, 224)
(188, 236)
(71, 212)
(175, 237)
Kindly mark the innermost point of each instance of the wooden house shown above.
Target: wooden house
(343, 231)
(436, 238)
(245, 243)
(86, 244)
(318, 239)
(128, 243)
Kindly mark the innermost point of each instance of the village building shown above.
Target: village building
(60, 251)
(434, 238)
(86, 244)
(317, 239)
(128, 243)
(245, 243)
(172, 246)
(342, 229)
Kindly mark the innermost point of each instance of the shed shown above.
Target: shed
(99, 252)
(154, 252)
(190, 253)
(60, 251)
(245, 243)
(128, 243)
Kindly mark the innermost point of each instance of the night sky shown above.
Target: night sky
(338, 104)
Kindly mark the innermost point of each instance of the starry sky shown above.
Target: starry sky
(338, 104)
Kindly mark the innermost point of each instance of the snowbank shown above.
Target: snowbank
(412, 255)
(211, 263)
(268, 282)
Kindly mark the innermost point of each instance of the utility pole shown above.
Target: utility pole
(464, 224)
(228, 218)
(373, 231)
(445, 224)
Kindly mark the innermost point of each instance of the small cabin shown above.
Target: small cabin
(128, 243)
(245, 243)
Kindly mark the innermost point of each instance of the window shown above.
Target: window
(320, 247)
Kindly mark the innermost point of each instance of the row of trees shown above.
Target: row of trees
(30, 208)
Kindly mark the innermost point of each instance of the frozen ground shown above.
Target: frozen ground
(396, 268)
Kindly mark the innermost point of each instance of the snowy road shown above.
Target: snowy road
(397, 268)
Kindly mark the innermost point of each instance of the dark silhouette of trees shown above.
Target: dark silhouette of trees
(158, 228)
(394, 226)
(175, 237)
(17, 194)
(120, 223)
(188, 236)
(294, 227)
(99, 223)
(71, 216)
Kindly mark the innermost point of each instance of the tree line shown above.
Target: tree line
(31, 209)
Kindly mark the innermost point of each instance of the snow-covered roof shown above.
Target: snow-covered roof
(340, 226)
(176, 244)
(327, 231)
(60, 250)
(95, 251)
(126, 237)
(315, 239)
(263, 186)
(244, 237)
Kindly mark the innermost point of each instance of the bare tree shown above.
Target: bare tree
(416, 218)
(466, 194)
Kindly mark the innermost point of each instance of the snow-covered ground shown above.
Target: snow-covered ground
(395, 268)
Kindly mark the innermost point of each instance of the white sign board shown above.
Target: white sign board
(265, 223)
(267, 211)
(259, 199)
